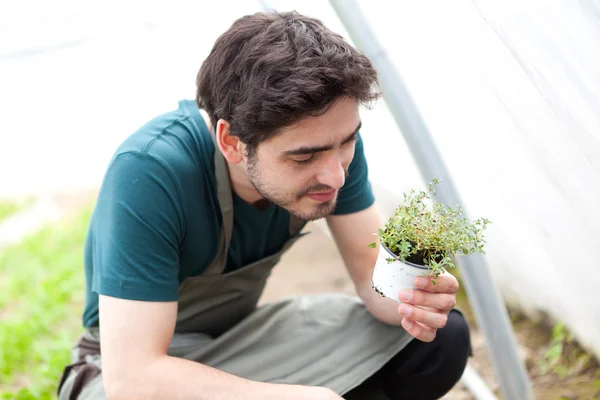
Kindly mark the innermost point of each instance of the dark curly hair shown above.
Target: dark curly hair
(269, 70)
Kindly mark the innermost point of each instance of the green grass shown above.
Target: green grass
(8, 207)
(41, 295)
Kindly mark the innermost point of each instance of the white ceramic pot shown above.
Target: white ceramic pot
(389, 278)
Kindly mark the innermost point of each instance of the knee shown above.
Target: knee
(456, 332)
(453, 342)
(429, 370)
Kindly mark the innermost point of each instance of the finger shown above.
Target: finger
(445, 283)
(438, 301)
(418, 331)
(431, 309)
(432, 319)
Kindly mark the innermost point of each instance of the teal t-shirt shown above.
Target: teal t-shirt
(157, 218)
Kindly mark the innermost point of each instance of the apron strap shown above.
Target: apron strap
(226, 205)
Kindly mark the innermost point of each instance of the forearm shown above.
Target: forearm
(352, 234)
(176, 378)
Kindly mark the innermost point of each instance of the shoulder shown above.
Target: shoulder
(169, 158)
(179, 135)
(177, 141)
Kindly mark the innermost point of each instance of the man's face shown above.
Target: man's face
(302, 168)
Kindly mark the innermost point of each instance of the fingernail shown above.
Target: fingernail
(405, 295)
(404, 310)
(421, 282)
(407, 323)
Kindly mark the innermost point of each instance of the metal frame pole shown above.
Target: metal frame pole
(484, 297)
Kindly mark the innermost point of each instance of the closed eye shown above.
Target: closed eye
(311, 157)
(351, 139)
(305, 160)
(309, 150)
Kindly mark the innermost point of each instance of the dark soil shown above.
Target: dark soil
(418, 257)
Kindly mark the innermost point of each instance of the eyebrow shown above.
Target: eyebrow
(315, 149)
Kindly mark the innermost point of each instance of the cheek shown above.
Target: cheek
(297, 179)
(291, 177)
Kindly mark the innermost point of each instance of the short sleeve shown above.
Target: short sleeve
(136, 230)
(356, 194)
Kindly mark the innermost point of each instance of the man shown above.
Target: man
(197, 207)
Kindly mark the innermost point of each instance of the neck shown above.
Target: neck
(242, 186)
(240, 183)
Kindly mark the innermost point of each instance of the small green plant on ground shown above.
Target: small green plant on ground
(9, 207)
(41, 297)
(563, 357)
(431, 234)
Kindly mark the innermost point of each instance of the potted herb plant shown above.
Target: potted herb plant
(422, 238)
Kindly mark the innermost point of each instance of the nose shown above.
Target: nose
(333, 173)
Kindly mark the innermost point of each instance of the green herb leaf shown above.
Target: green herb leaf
(422, 229)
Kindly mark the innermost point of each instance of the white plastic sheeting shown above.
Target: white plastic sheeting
(510, 91)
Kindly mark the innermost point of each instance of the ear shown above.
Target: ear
(231, 146)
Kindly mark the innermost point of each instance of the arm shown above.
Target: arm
(353, 226)
(135, 336)
(137, 229)
(423, 310)
(352, 234)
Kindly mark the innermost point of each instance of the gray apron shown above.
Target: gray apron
(328, 340)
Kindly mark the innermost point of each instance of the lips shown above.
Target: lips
(322, 196)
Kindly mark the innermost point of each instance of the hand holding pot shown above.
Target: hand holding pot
(425, 310)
